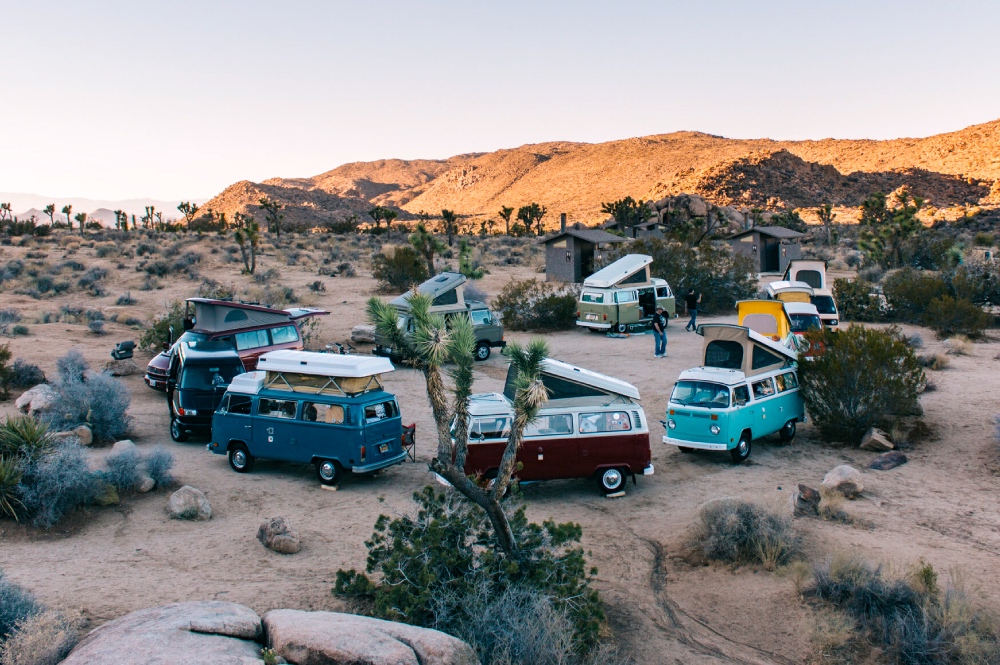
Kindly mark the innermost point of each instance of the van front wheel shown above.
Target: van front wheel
(326, 471)
(742, 450)
(177, 432)
(788, 431)
(240, 459)
(612, 480)
(482, 351)
(621, 328)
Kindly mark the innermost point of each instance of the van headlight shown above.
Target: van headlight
(833, 322)
(671, 424)
(714, 429)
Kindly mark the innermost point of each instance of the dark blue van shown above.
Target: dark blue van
(327, 410)
(198, 376)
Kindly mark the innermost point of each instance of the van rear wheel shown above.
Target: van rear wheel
(327, 472)
(612, 480)
(621, 328)
(240, 459)
(788, 431)
(482, 351)
(742, 450)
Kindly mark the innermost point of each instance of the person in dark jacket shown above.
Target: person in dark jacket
(692, 301)
(660, 333)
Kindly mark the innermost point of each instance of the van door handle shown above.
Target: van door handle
(541, 454)
(248, 426)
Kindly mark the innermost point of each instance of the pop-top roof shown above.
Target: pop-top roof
(588, 377)
(721, 375)
(323, 364)
(434, 287)
(621, 269)
(248, 383)
(785, 286)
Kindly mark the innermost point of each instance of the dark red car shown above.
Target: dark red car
(251, 329)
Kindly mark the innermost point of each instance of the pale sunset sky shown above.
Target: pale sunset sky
(174, 100)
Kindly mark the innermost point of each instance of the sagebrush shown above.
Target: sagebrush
(744, 532)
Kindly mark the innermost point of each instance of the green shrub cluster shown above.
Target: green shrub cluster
(158, 332)
(864, 375)
(534, 305)
(743, 532)
(399, 271)
(857, 300)
(442, 568)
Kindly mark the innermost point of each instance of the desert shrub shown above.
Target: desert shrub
(101, 401)
(948, 316)
(399, 271)
(910, 619)
(96, 327)
(71, 366)
(958, 345)
(10, 481)
(6, 373)
(743, 532)
(436, 567)
(534, 305)
(914, 341)
(16, 604)
(11, 270)
(346, 270)
(157, 268)
(983, 239)
(317, 286)
(91, 280)
(977, 281)
(103, 250)
(75, 266)
(132, 322)
(57, 483)
(934, 361)
(145, 248)
(158, 464)
(125, 299)
(268, 276)
(158, 332)
(122, 470)
(856, 300)
(908, 293)
(864, 375)
(45, 638)
(20, 330)
(9, 315)
(25, 375)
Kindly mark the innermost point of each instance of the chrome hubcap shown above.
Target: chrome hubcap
(743, 445)
(239, 458)
(327, 470)
(612, 478)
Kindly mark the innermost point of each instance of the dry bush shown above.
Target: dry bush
(831, 506)
(42, 639)
(934, 361)
(743, 532)
(958, 345)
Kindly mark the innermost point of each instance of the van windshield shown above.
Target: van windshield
(824, 304)
(700, 393)
(803, 322)
(189, 336)
(209, 377)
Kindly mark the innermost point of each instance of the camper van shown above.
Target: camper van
(827, 308)
(196, 380)
(592, 426)
(623, 298)
(811, 272)
(250, 329)
(789, 291)
(327, 410)
(447, 293)
(747, 388)
(805, 318)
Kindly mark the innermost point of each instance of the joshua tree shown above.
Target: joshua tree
(121, 220)
(431, 346)
(247, 237)
(50, 210)
(81, 219)
(5, 211)
(450, 224)
(532, 214)
(884, 231)
(272, 215)
(626, 212)
(426, 245)
(505, 213)
(68, 210)
(827, 215)
(389, 216)
(189, 210)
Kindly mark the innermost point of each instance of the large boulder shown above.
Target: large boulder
(275, 534)
(887, 461)
(124, 367)
(805, 501)
(36, 400)
(697, 206)
(364, 333)
(124, 446)
(214, 632)
(189, 503)
(844, 479)
(876, 440)
(316, 638)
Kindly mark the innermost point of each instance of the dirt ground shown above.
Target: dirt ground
(663, 606)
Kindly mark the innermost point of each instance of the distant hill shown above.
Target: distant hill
(954, 169)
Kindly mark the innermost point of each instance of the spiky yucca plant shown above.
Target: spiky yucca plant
(434, 344)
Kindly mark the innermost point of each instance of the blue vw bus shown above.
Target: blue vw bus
(748, 388)
(327, 410)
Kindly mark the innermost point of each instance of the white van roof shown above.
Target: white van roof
(588, 377)
(323, 364)
(248, 383)
(726, 377)
(801, 308)
(621, 269)
(788, 287)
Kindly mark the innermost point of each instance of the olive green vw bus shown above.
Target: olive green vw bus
(623, 297)
(747, 388)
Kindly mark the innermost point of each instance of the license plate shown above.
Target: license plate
(591, 317)
(383, 447)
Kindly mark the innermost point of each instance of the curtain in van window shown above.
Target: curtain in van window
(381, 411)
(251, 340)
(284, 335)
(277, 408)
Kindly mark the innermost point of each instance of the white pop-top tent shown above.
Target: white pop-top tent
(588, 377)
(323, 364)
(620, 270)
(774, 288)
(248, 383)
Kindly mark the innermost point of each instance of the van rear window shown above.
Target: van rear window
(593, 297)
(381, 411)
(284, 335)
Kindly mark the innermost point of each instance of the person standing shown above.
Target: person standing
(660, 333)
(692, 300)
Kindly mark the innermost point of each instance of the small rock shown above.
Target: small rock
(36, 400)
(123, 446)
(805, 501)
(889, 460)
(844, 479)
(126, 367)
(363, 333)
(876, 440)
(144, 484)
(275, 534)
(108, 496)
(84, 434)
(189, 503)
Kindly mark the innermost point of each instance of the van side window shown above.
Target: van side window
(381, 411)
(332, 414)
(251, 340)
(741, 395)
(625, 296)
(481, 317)
(284, 335)
(447, 298)
(557, 423)
(277, 408)
(786, 381)
(763, 388)
(610, 421)
(240, 404)
(491, 427)
(662, 292)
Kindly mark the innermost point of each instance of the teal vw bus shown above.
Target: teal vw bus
(747, 388)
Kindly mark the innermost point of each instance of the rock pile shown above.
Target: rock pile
(275, 534)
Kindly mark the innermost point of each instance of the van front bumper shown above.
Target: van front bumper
(368, 468)
(694, 444)
(595, 326)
